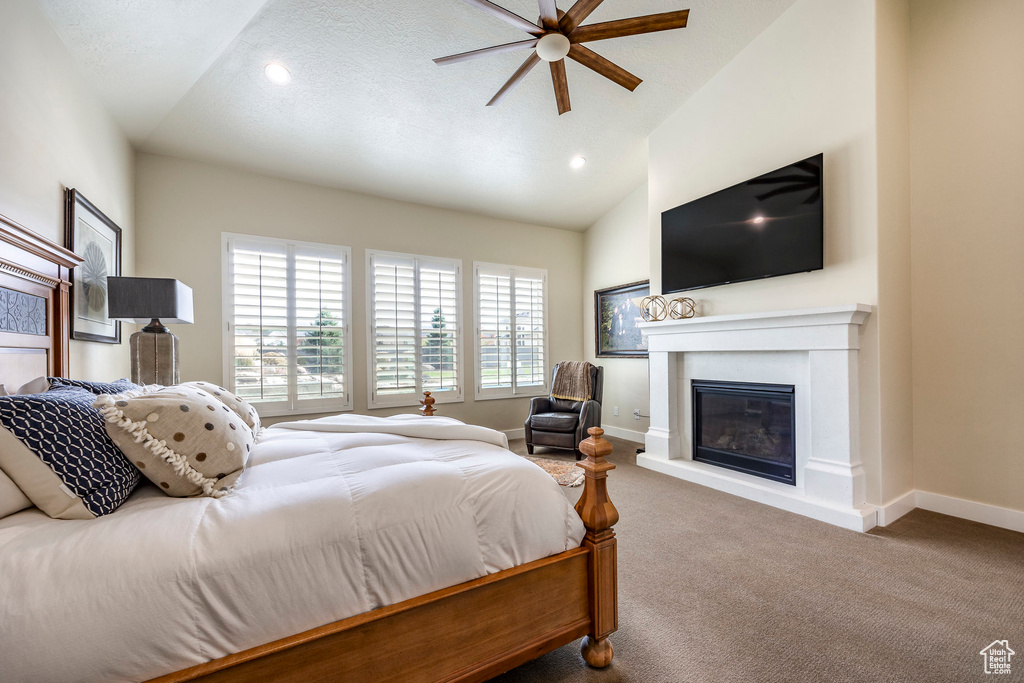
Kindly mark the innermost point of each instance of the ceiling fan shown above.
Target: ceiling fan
(558, 34)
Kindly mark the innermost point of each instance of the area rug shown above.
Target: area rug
(564, 473)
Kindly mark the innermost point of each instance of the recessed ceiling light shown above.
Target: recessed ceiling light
(758, 220)
(578, 162)
(277, 74)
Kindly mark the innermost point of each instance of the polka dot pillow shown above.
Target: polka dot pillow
(181, 438)
(239, 406)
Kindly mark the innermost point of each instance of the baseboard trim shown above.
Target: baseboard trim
(621, 433)
(993, 515)
(519, 433)
(984, 513)
(896, 508)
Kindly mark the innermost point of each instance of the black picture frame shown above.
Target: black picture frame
(615, 331)
(93, 236)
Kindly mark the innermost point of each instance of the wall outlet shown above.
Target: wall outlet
(615, 411)
(636, 413)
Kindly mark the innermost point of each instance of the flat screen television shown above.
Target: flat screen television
(768, 226)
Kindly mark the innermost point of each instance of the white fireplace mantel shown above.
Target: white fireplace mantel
(815, 350)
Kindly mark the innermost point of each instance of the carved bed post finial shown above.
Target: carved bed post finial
(599, 515)
(427, 403)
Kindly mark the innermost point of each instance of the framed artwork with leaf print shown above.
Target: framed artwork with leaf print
(97, 239)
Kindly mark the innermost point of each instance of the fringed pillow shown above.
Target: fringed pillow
(238, 406)
(181, 438)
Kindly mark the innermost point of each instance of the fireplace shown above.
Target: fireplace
(745, 427)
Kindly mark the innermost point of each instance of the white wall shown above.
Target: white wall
(967, 161)
(615, 252)
(806, 85)
(55, 134)
(183, 207)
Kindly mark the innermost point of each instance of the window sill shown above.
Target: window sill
(489, 397)
(412, 401)
(296, 412)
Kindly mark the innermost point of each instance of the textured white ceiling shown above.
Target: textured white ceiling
(368, 110)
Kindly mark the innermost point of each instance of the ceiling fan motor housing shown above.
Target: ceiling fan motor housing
(553, 47)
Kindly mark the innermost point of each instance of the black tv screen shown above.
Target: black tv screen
(770, 225)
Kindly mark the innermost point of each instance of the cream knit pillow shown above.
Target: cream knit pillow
(181, 438)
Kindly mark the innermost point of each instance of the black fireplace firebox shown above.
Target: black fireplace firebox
(745, 427)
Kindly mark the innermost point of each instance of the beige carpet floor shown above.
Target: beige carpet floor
(717, 588)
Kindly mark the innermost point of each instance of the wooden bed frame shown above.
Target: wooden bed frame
(469, 632)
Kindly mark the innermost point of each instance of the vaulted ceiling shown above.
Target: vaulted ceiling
(368, 110)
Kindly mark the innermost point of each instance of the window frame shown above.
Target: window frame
(482, 394)
(413, 399)
(293, 405)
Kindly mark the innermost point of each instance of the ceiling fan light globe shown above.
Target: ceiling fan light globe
(553, 47)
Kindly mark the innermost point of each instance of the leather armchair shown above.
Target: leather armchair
(558, 423)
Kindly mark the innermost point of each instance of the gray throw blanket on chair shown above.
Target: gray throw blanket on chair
(572, 381)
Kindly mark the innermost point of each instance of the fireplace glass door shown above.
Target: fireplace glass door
(745, 427)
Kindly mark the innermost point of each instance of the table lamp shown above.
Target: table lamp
(141, 300)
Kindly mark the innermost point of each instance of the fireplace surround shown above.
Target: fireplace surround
(815, 351)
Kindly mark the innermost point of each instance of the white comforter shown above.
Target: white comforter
(323, 525)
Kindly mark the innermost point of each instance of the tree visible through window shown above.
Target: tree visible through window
(511, 330)
(415, 310)
(286, 305)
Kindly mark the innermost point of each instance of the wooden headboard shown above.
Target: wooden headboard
(35, 277)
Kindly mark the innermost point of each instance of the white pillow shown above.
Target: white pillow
(36, 386)
(11, 497)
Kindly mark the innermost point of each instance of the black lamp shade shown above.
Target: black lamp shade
(141, 299)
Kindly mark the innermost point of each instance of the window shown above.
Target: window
(414, 305)
(511, 331)
(286, 304)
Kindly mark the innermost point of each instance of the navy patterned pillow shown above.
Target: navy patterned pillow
(55, 447)
(97, 388)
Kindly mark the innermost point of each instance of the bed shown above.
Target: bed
(317, 566)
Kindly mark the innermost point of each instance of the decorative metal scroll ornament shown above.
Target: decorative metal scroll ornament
(654, 308)
(682, 308)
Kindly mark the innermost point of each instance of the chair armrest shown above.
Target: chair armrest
(590, 416)
(539, 404)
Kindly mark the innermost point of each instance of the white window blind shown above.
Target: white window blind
(287, 337)
(415, 310)
(511, 327)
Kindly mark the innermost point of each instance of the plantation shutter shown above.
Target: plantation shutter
(530, 331)
(511, 330)
(415, 328)
(440, 327)
(494, 303)
(287, 332)
(394, 325)
(320, 323)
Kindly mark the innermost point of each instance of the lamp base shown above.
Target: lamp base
(154, 358)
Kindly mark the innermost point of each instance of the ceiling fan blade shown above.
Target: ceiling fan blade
(596, 62)
(517, 77)
(630, 27)
(506, 16)
(561, 86)
(576, 14)
(548, 14)
(483, 52)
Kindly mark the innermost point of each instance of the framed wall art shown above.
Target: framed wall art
(616, 321)
(97, 240)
